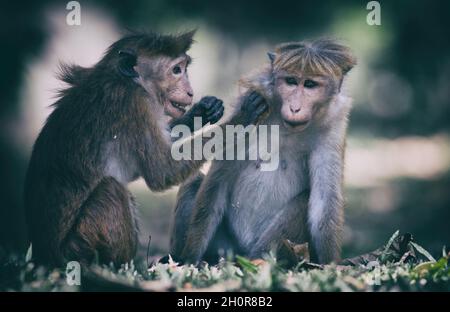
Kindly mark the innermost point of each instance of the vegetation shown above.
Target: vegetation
(400, 265)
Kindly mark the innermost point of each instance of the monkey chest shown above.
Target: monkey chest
(260, 197)
(118, 164)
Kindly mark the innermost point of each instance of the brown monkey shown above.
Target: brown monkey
(238, 207)
(109, 127)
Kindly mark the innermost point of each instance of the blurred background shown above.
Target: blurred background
(398, 155)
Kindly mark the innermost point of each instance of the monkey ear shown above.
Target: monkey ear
(127, 60)
(271, 56)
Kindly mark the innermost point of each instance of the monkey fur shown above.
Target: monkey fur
(110, 126)
(237, 207)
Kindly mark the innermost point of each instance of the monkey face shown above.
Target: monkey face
(158, 64)
(169, 77)
(177, 87)
(302, 97)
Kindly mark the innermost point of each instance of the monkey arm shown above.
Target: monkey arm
(186, 120)
(160, 170)
(325, 215)
(249, 110)
(157, 165)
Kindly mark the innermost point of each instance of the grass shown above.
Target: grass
(400, 265)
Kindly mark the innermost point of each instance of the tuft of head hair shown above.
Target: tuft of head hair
(155, 44)
(318, 57)
(71, 74)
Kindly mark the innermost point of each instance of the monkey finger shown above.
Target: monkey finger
(216, 116)
(258, 106)
(253, 95)
(221, 109)
(208, 101)
(263, 104)
(261, 108)
(216, 106)
(214, 113)
(204, 103)
(257, 100)
(218, 103)
(209, 114)
(207, 98)
(250, 100)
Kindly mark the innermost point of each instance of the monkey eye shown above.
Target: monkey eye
(176, 70)
(310, 84)
(291, 81)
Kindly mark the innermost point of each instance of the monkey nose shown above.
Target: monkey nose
(294, 109)
(190, 94)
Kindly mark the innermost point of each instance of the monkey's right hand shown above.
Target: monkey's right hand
(209, 108)
(253, 107)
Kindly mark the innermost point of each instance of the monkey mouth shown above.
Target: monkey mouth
(296, 124)
(179, 106)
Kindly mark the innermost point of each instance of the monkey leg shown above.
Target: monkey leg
(222, 240)
(183, 212)
(105, 228)
(290, 224)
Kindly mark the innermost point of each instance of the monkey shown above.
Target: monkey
(239, 208)
(110, 126)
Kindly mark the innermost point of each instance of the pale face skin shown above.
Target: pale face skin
(303, 96)
(171, 79)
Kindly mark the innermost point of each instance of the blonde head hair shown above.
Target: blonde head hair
(319, 57)
(325, 57)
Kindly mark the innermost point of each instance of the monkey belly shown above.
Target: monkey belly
(261, 199)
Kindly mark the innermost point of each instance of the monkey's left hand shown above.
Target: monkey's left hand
(209, 108)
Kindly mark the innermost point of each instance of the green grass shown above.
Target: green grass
(400, 265)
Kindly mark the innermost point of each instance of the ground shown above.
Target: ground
(400, 265)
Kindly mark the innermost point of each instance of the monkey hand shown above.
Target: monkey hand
(253, 107)
(209, 108)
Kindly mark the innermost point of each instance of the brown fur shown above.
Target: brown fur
(74, 210)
